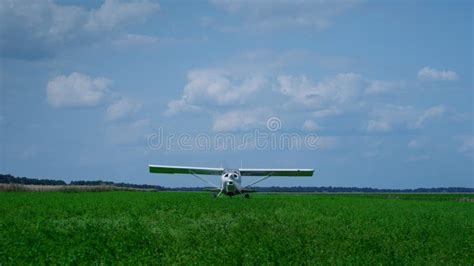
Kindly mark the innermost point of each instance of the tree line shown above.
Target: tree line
(9, 179)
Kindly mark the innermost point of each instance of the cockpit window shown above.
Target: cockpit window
(231, 175)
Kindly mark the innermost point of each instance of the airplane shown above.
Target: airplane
(231, 181)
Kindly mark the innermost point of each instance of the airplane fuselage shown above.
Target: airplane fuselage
(231, 182)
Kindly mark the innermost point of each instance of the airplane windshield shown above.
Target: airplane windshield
(233, 175)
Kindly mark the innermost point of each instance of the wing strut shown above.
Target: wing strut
(259, 180)
(204, 180)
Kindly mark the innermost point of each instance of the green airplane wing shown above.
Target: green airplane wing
(167, 169)
(276, 172)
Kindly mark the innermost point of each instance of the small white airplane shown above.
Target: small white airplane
(230, 178)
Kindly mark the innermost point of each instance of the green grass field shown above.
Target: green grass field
(193, 228)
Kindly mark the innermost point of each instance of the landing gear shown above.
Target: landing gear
(247, 196)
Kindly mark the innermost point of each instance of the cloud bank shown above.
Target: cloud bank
(37, 29)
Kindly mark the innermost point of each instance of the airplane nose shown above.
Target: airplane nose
(230, 187)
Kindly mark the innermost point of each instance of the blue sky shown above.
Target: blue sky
(384, 87)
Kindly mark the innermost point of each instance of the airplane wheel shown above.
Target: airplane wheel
(247, 196)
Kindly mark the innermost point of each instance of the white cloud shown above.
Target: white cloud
(178, 106)
(35, 29)
(327, 142)
(429, 114)
(114, 13)
(339, 90)
(378, 126)
(278, 15)
(214, 87)
(416, 143)
(121, 109)
(76, 90)
(428, 73)
(388, 117)
(381, 86)
(310, 125)
(240, 120)
(383, 117)
(332, 111)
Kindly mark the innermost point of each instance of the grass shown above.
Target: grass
(193, 228)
